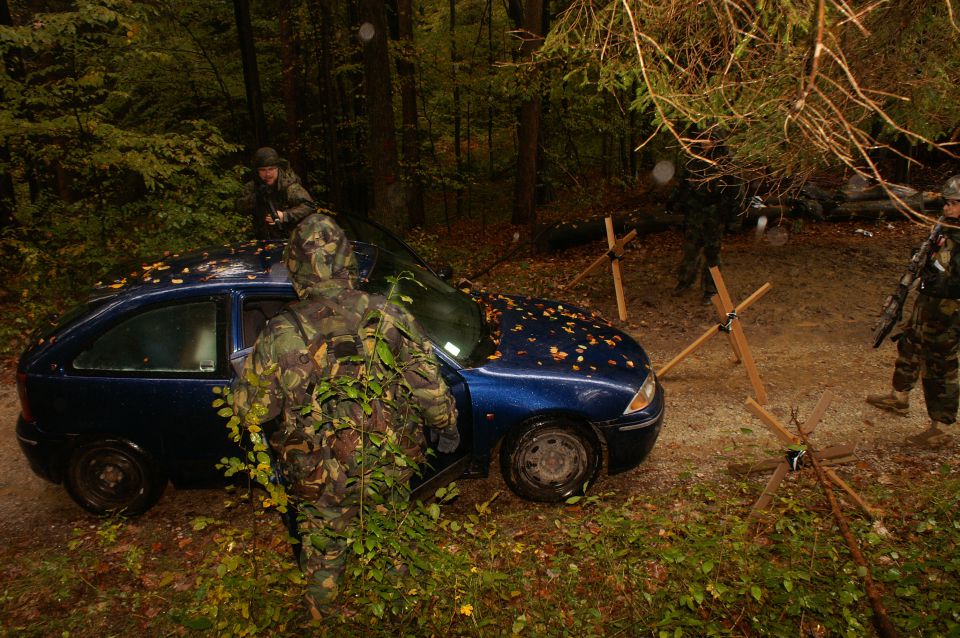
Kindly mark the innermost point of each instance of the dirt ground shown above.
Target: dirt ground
(811, 333)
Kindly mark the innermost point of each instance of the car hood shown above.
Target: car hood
(560, 339)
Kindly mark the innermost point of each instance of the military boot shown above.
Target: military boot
(933, 436)
(896, 402)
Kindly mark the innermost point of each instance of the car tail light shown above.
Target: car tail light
(22, 391)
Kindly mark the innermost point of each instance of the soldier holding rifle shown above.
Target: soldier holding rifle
(928, 346)
(274, 199)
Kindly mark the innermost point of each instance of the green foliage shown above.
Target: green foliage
(676, 563)
(243, 588)
(95, 190)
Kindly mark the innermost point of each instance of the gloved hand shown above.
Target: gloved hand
(449, 440)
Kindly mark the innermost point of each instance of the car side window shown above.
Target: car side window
(178, 338)
(257, 311)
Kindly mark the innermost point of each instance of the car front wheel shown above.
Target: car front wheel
(550, 460)
(113, 476)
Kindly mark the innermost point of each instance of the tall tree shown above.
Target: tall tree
(14, 67)
(385, 187)
(410, 138)
(291, 83)
(457, 116)
(251, 74)
(322, 14)
(528, 125)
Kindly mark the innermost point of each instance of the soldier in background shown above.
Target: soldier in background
(928, 346)
(706, 207)
(331, 331)
(274, 199)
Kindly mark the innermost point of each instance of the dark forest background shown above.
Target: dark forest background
(127, 127)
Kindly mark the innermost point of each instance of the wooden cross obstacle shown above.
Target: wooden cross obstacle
(730, 324)
(615, 252)
(825, 458)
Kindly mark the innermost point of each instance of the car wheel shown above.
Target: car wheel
(550, 460)
(112, 476)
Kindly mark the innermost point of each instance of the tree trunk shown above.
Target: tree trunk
(329, 104)
(386, 189)
(290, 71)
(406, 73)
(528, 129)
(8, 199)
(454, 62)
(251, 76)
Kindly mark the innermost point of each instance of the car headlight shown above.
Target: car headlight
(644, 395)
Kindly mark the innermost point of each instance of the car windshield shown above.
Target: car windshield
(357, 229)
(450, 317)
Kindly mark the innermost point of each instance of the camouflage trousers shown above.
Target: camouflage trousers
(322, 552)
(702, 234)
(927, 350)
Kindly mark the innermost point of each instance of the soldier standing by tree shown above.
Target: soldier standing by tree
(706, 207)
(320, 365)
(274, 197)
(928, 345)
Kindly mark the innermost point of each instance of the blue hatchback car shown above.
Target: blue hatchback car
(116, 395)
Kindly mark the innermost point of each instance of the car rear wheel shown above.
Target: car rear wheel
(113, 476)
(550, 460)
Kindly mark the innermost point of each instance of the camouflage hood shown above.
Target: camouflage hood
(319, 258)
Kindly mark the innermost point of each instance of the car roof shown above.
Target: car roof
(251, 260)
(255, 260)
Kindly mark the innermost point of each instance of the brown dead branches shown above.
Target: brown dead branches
(791, 87)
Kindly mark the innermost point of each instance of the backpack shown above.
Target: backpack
(350, 415)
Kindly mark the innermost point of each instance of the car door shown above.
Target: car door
(148, 376)
(441, 469)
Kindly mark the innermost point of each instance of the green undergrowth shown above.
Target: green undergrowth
(683, 563)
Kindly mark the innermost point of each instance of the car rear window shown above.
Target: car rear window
(55, 323)
(179, 338)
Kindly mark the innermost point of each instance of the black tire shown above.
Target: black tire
(113, 476)
(550, 459)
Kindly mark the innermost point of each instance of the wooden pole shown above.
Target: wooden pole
(599, 261)
(712, 330)
(816, 457)
(729, 323)
(736, 330)
(615, 265)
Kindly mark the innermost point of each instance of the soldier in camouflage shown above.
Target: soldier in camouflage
(706, 206)
(929, 343)
(274, 186)
(328, 338)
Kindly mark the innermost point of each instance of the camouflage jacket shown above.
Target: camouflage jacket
(941, 277)
(321, 428)
(288, 195)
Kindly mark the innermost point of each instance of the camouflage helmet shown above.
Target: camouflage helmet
(319, 256)
(951, 188)
(265, 157)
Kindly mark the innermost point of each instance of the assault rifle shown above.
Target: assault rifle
(263, 194)
(893, 307)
